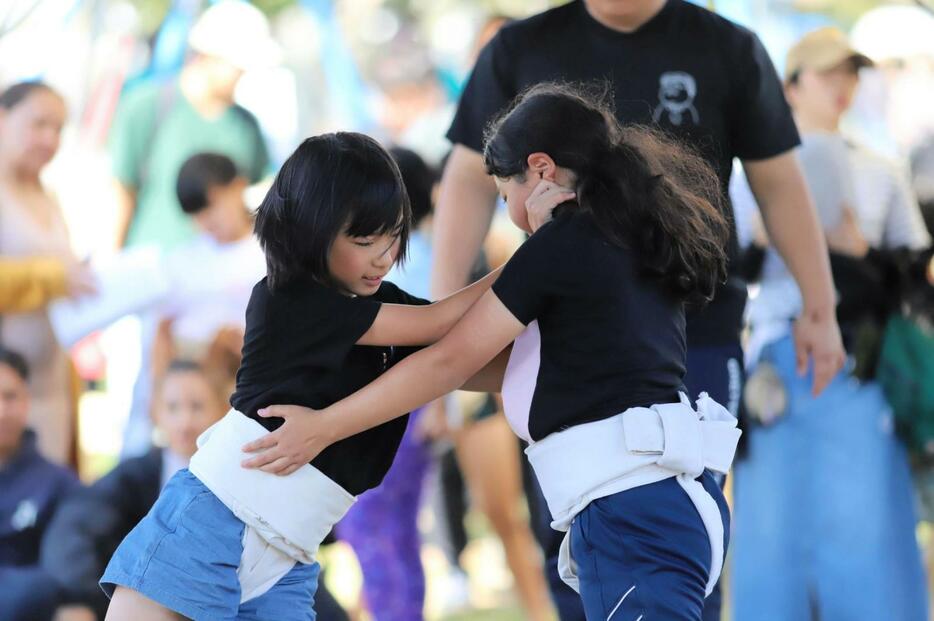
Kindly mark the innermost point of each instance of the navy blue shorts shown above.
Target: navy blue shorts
(644, 554)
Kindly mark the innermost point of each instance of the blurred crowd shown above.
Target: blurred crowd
(189, 138)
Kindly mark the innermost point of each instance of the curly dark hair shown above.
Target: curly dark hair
(645, 190)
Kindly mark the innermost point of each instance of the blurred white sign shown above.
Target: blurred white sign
(128, 283)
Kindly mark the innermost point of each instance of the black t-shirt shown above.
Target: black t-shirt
(693, 73)
(609, 338)
(299, 349)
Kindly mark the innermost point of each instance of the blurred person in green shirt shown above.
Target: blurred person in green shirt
(159, 125)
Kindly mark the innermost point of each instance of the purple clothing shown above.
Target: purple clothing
(382, 529)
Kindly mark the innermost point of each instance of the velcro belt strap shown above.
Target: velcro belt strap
(684, 440)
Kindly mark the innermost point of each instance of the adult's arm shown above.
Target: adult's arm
(463, 215)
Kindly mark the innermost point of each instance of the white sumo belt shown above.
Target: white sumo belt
(286, 517)
(638, 447)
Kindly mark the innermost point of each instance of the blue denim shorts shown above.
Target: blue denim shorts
(185, 554)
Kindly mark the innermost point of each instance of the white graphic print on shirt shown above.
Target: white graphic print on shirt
(676, 93)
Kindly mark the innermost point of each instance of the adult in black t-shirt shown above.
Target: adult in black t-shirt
(695, 75)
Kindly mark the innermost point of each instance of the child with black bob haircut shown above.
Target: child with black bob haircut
(225, 541)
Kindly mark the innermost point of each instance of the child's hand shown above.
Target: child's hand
(302, 436)
(542, 202)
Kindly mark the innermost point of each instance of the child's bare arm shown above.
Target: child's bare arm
(423, 325)
(482, 336)
(401, 324)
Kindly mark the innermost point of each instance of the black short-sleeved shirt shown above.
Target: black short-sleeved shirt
(687, 70)
(607, 339)
(299, 349)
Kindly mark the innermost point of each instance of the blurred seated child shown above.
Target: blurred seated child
(91, 523)
(31, 489)
(212, 276)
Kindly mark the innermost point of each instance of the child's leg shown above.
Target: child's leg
(128, 605)
(184, 554)
(643, 554)
(489, 458)
(383, 531)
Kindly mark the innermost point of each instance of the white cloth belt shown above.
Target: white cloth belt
(286, 517)
(638, 447)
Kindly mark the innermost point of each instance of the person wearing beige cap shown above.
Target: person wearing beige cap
(821, 73)
(821, 50)
(825, 520)
(159, 125)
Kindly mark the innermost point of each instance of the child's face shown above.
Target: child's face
(358, 264)
(14, 408)
(225, 217)
(189, 405)
(515, 192)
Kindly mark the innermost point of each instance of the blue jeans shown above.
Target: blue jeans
(824, 515)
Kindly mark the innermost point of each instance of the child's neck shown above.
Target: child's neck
(244, 231)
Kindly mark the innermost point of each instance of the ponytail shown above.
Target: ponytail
(645, 191)
(670, 220)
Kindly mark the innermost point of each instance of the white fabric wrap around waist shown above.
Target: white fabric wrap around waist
(638, 447)
(286, 517)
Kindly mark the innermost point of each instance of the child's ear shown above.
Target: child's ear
(542, 166)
